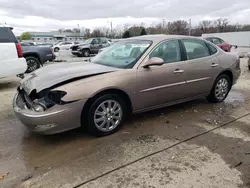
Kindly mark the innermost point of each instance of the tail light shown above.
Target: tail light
(19, 50)
(52, 51)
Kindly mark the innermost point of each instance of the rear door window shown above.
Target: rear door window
(6, 35)
(195, 48)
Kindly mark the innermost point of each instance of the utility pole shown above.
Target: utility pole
(163, 25)
(190, 26)
(111, 28)
(79, 31)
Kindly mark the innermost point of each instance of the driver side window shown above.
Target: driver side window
(96, 41)
(169, 51)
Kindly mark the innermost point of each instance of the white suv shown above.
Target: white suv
(12, 62)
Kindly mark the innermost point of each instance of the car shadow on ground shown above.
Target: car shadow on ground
(82, 134)
(8, 84)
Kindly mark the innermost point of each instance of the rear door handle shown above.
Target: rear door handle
(178, 71)
(214, 65)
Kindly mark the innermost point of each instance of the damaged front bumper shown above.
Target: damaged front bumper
(58, 118)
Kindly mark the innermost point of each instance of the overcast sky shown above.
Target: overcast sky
(47, 15)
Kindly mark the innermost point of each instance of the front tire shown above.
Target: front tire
(32, 63)
(56, 49)
(220, 90)
(106, 115)
(85, 53)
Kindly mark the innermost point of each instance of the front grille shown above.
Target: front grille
(74, 48)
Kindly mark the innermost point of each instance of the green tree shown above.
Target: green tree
(26, 36)
(143, 31)
(126, 34)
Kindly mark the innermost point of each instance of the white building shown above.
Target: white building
(241, 39)
(52, 37)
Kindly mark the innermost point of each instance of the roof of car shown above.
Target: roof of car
(161, 37)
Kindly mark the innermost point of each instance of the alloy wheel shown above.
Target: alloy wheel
(108, 115)
(221, 89)
(85, 53)
(32, 65)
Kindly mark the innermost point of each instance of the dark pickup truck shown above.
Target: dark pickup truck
(36, 55)
(89, 47)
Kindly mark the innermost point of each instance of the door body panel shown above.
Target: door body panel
(200, 75)
(159, 85)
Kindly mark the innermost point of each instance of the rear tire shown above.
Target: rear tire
(220, 90)
(106, 115)
(32, 63)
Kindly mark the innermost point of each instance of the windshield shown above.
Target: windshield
(122, 54)
(88, 40)
(58, 42)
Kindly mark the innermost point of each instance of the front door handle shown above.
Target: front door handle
(214, 65)
(178, 71)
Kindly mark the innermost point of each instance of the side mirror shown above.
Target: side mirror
(154, 61)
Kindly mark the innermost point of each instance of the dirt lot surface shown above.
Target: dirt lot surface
(191, 145)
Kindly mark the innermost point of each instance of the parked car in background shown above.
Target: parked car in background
(153, 72)
(46, 44)
(75, 46)
(36, 55)
(62, 46)
(90, 46)
(12, 62)
(221, 43)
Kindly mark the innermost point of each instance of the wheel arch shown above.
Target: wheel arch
(32, 54)
(227, 72)
(85, 49)
(119, 92)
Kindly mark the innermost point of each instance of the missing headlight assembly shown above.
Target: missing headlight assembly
(43, 100)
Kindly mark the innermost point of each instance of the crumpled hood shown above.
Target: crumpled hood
(54, 74)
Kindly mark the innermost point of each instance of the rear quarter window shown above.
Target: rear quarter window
(6, 35)
(212, 49)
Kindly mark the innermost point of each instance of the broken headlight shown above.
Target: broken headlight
(56, 96)
(39, 107)
(44, 103)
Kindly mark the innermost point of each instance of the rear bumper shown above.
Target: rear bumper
(57, 119)
(13, 67)
(49, 57)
